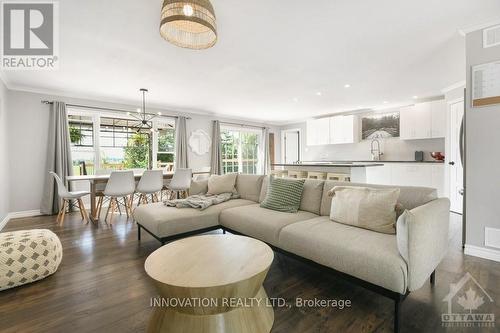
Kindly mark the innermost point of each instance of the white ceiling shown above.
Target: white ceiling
(272, 57)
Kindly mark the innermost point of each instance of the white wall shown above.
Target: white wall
(394, 148)
(482, 156)
(28, 134)
(4, 162)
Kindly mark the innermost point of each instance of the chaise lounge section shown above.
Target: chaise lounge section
(391, 265)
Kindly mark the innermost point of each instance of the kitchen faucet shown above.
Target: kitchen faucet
(376, 153)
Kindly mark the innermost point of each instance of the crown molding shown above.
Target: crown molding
(454, 86)
(479, 26)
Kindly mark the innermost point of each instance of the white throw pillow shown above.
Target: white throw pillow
(222, 184)
(365, 207)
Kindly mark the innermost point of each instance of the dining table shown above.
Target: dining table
(95, 180)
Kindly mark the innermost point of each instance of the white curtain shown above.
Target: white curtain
(181, 159)
(58, 157)
(266, 165)
(216, 160)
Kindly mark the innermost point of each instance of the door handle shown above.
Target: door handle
(461, 192)
(451, 163)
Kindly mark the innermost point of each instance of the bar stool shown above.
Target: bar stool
(150, 184)
(340, 177)
(279, 173)
(121, 184)
(316, 175)
(66, 197)
(297, 174)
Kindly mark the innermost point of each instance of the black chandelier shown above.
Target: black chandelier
(143, 117)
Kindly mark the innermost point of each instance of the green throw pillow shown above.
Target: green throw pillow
(284, 194)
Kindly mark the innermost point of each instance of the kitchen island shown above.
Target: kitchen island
(402, 173)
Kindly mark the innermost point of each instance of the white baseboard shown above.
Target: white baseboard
(18, 215)
(482, 252)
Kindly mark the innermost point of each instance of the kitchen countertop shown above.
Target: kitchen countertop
(331, 164)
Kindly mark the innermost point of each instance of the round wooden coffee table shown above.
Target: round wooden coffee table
(211, 283)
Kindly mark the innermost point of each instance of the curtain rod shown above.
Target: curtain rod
(242, 125)
(110, 109)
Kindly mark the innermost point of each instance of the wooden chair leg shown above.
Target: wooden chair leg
(83, 211)
(79, 204)
(113, 202)
(125, 202)
(65, 203)
(99, 206)
(59, 213)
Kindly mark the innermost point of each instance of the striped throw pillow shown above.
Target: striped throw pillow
(284, 195)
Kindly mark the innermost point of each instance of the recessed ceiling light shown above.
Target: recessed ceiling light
(319, 93)
(295, 99)
(347, 85)
(386, 102)
(139, 110)
(159, 113)
(415, 97)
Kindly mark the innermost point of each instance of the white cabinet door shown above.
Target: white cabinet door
(422, 120)
(438, 119)
(415, 122)
(318, 132)
(438, 178)
(343, 129)
(406, 123)
(380, 175)
(411, 175)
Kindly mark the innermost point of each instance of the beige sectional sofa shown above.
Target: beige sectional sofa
(392, 265)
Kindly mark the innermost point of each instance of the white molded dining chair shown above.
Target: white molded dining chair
(121, 184)
(66, 197)
(180, 183)
(151, 183)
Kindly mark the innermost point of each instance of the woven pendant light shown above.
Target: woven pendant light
(190, 24)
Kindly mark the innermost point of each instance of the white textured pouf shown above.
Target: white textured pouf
(27, 256)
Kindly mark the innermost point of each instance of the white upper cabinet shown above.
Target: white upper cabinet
(423, 121)
(344, 129)
(332, 130)
(438, 119)
(318, 132)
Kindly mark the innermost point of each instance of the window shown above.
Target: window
(122, 146)
(166, 145)
(241, 150)
(81, 133)
(112, 141)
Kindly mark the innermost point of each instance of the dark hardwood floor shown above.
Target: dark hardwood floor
(101, 286)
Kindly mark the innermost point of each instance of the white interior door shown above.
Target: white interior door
(291, 146)
(455, 164)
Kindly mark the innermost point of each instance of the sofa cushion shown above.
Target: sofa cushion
(311, 196)
(409, 196)
(284, 195)
(368, 255)
(222, 184)
(249, 186)
(263, 190)
(166, 221)
(365, 207)
(198, 187)
(261, 223)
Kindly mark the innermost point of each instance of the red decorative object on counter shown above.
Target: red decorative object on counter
(437, 155)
